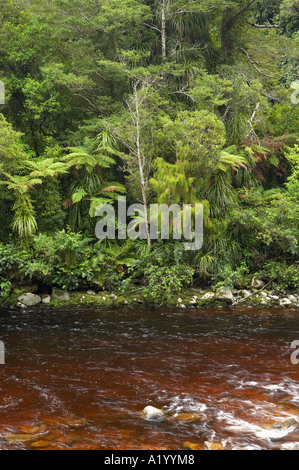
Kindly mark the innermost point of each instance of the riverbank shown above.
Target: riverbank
(261, 295)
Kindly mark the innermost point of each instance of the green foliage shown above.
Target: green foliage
(167, 101)
(67, 255)
(165, 281)
(61, 260)
(162, 271)
(292, 156)
(5, 287)
(283, 276)
(12, 152)
(230, 278)
(110, 263)
(283, 118)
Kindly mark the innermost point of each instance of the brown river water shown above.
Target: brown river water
(79, 379)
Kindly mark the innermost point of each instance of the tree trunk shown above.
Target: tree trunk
(163, 31)
(229, 19)
(140, 165)
(226, 34)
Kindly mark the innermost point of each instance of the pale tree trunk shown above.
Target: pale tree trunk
(140, 158)
(163, 30)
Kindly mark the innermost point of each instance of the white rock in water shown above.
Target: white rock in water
(285, 301)
(292, 298)
(151, 413)
(47, 299)
(29, 299)
(20, 305)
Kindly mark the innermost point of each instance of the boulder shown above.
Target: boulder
(91, 293)
(257, 283)
(60, 294)
(275, 297)
(224, 294)
(29, 299)
(245, 293)
(285, 302)
(208, 296)
(46, 299)
(293, 298)
(20, 305)
(151, 413)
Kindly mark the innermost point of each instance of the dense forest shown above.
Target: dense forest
(161, 101)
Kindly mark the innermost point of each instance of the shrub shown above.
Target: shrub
(62, 259)
(283, 276)
(161, 272)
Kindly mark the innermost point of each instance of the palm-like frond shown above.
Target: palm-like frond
(108, 143)
(95, 202)
(48, 167)
(228, 160)
(21, 184)
(79, 157)
(79, 195)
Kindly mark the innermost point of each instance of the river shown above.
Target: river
(79, 378)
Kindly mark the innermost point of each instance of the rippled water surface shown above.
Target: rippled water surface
(78, 379)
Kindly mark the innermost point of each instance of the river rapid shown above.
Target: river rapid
(80, 378)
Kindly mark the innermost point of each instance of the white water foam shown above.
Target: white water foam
(240, 425)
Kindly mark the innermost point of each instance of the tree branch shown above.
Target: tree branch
(238, 13)
(152, 27)
(263, 26)
(270, 75)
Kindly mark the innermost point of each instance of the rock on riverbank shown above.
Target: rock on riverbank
(189, 298)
